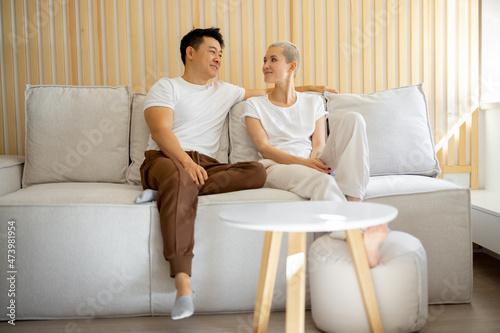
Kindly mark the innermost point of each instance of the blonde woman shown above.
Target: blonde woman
(289, 130)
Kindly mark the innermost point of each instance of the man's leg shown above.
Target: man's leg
(177, 203)
(223, 177)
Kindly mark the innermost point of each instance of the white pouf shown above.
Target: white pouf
(400, 282)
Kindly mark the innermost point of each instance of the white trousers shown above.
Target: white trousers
(345, 152)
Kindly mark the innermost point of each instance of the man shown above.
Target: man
(185, 116)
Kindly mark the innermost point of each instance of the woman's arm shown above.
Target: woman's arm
(261, 141)
(319, 136)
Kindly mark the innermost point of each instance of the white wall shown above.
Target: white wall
(489, 119)
(491, 154)
(490, 80)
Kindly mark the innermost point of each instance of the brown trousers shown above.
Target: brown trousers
(178, 197)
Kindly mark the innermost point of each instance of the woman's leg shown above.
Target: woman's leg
(303, 181)
(346, 152)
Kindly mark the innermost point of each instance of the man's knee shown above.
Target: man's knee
(261, 173)
(256, 173)
(173, 179)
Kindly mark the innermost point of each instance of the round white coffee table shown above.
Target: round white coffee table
(297, 218)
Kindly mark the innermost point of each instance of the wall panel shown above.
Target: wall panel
(8, 91)
(73, 43)
(20, 71)
(110, 43)
(370, 45)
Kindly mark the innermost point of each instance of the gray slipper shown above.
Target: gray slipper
(183, 307)
(146, 196)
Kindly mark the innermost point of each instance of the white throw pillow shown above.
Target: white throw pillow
(397, 125)
(76, 134)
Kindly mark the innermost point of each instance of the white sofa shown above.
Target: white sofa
(84, 249)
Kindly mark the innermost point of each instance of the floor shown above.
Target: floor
(481, 316)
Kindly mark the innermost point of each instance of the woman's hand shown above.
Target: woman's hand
(317, 164)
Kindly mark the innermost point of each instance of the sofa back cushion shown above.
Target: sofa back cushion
(76, 134)
(397, 125)
(241, 146)
(139, 137)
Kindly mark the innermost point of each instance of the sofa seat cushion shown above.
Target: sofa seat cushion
(72, 193)
(384, 186)
(257, 195)
(123, 194)
(108, 193)
(11, 173)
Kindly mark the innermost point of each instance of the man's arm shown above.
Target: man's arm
(256, 92)
(320, 89)
(261, 92)
(160, 120)
(261, 140)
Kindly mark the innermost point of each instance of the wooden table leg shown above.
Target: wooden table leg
(360, 261)
(296, 282)
(267, 278)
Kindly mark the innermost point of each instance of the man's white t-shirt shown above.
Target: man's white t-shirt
(288, 128)
(199, 111)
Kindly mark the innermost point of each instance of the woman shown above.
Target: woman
(288, 128)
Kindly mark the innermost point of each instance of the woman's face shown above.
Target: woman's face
(275, 67)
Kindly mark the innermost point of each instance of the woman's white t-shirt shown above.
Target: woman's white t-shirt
(199, 111)
(288, 128)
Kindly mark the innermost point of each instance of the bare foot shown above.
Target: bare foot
(349, 198)
(183, 285)
(373, 237)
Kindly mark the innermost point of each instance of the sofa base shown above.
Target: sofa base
(96, 254)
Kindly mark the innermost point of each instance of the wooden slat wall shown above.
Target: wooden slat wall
(370, 45)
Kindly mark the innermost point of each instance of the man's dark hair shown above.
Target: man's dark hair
(194, 38)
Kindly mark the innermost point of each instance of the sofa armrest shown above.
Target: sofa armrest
(11, 173)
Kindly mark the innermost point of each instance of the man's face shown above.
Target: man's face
(208, 57)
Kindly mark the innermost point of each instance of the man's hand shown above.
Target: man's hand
(196, 172)
(331, 90)
(316, 163)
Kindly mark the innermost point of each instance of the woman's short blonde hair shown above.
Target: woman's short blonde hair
(290, 51)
